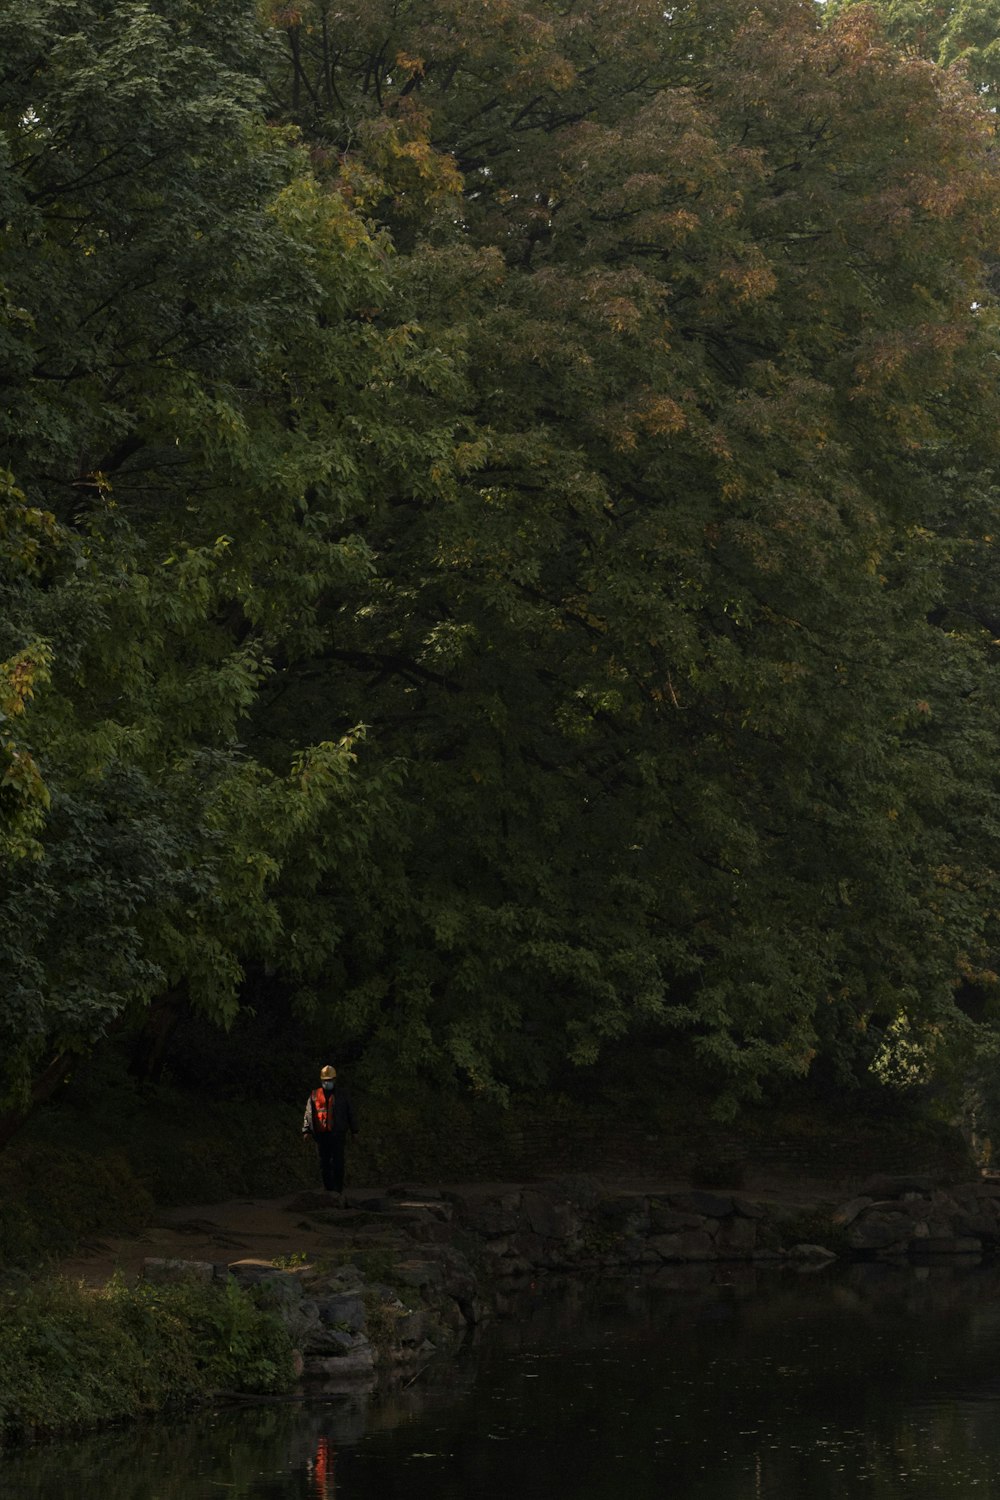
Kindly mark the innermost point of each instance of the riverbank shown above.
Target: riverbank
(187, 1226)
(298, 1297)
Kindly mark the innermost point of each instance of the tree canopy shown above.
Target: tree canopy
(500, 514)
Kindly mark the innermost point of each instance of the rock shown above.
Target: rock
(949, 1245)
(623, 1208)
(877, 1231)
(499, 1248)
(639, 1252)
(914, 1208)
(549, 1218)
(883, 1185)
(664, 1220)
(980, 1227)
(769, 1239)
(578, 1188)
(354, 1365)
(694, 1244)
(415, 1194)
(458, 1279)
(418, 1273)
(412, 1328)
(386, 1294)
(812, 1252)
(332, 1341)
(302, 1321)
(346, 1309)
(747, 1208)
(708, 1205)
(848, 1212)
(261, 1272)
(345, 1278)
(162, 1272)
(488, 1211)
(736, 1237)
(530, 1247)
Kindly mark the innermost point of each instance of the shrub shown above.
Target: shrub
(71, 1357)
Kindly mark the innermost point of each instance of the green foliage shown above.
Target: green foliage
(237, 1347)
(687, 746)
(965, 36)
(500, 530)
(71, 1357)
(182, 492)
(381, 1319)
(52, 1196)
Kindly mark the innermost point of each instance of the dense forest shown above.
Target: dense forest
(498, 532)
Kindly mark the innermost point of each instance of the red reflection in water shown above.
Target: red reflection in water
(324, 1485)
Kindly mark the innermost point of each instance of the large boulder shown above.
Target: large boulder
(419, 1274)
(286, 1285)
(332, 1341)
(691, 1244)
(488, 1210)
(848, 1212)
(878, 1229)
(343, 1310)
(736, 1238)
(666, 1220)
(550, 1218)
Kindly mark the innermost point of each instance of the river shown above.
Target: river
(867, 1380)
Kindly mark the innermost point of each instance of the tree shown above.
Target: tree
(687, 742)
(193, 416)
(966, 35)
(502, 544)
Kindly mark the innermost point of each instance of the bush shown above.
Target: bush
(55, 1195)
(72, 1358)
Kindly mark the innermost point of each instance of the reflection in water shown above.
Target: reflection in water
(694, 1385)
(321, 1470)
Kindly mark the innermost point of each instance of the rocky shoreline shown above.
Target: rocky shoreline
(404, 1275)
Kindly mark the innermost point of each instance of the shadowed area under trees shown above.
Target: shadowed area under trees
(498, 537)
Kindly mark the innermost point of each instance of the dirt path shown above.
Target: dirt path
(241, 1229)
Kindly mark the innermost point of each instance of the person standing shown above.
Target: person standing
(329, 1116)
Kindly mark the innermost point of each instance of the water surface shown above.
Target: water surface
(864, 1381)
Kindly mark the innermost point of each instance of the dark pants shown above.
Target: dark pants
(331, 1159)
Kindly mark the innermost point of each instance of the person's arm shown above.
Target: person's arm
(307, 1118)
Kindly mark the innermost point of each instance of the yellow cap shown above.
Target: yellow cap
(327, 1072)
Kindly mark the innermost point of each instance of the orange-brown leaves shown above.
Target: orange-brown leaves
(398, 163)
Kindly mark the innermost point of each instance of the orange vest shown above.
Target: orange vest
(323, 1109)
